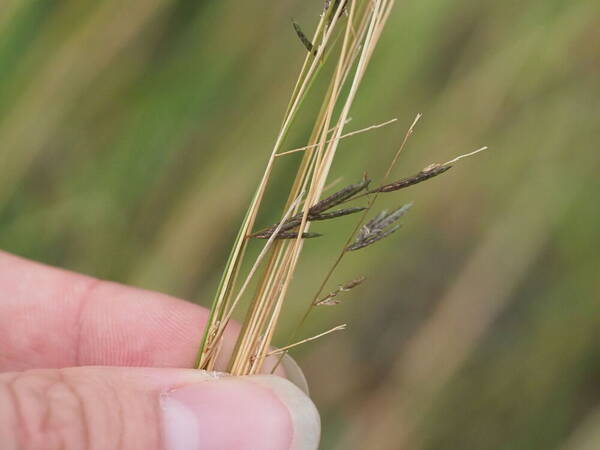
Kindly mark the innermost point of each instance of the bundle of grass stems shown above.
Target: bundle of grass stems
(346, 36)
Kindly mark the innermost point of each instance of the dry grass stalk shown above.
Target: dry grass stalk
(209, 348)
(219, 327)
(251, 353)
(359, 34)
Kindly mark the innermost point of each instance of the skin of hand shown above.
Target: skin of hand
(88, 364)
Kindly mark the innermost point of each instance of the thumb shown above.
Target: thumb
(153, 409)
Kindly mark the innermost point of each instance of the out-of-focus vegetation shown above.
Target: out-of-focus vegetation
(132, 135)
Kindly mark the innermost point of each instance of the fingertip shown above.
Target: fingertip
(263, 411)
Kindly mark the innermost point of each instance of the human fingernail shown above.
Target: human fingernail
(285, 366)
(260, 412)
(294, 373)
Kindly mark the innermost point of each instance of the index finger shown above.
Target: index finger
(52, 318)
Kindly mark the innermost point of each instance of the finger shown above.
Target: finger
(154, 409)
(54, 318)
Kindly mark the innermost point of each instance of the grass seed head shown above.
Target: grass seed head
(304, 39)
(331, 300)
(427, 173)
(378, 228)
(286, 235)
(339, 197)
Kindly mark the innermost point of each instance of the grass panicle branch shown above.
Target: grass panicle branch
(344, 136)
(331, 298)
(282, 350)
(208, 350)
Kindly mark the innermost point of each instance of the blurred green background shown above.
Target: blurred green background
(132, 135)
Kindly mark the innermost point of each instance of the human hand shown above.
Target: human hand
(88, 364)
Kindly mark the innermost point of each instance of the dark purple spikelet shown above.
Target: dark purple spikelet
(423, 175)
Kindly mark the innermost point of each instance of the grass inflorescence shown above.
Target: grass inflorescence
(345, 37)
